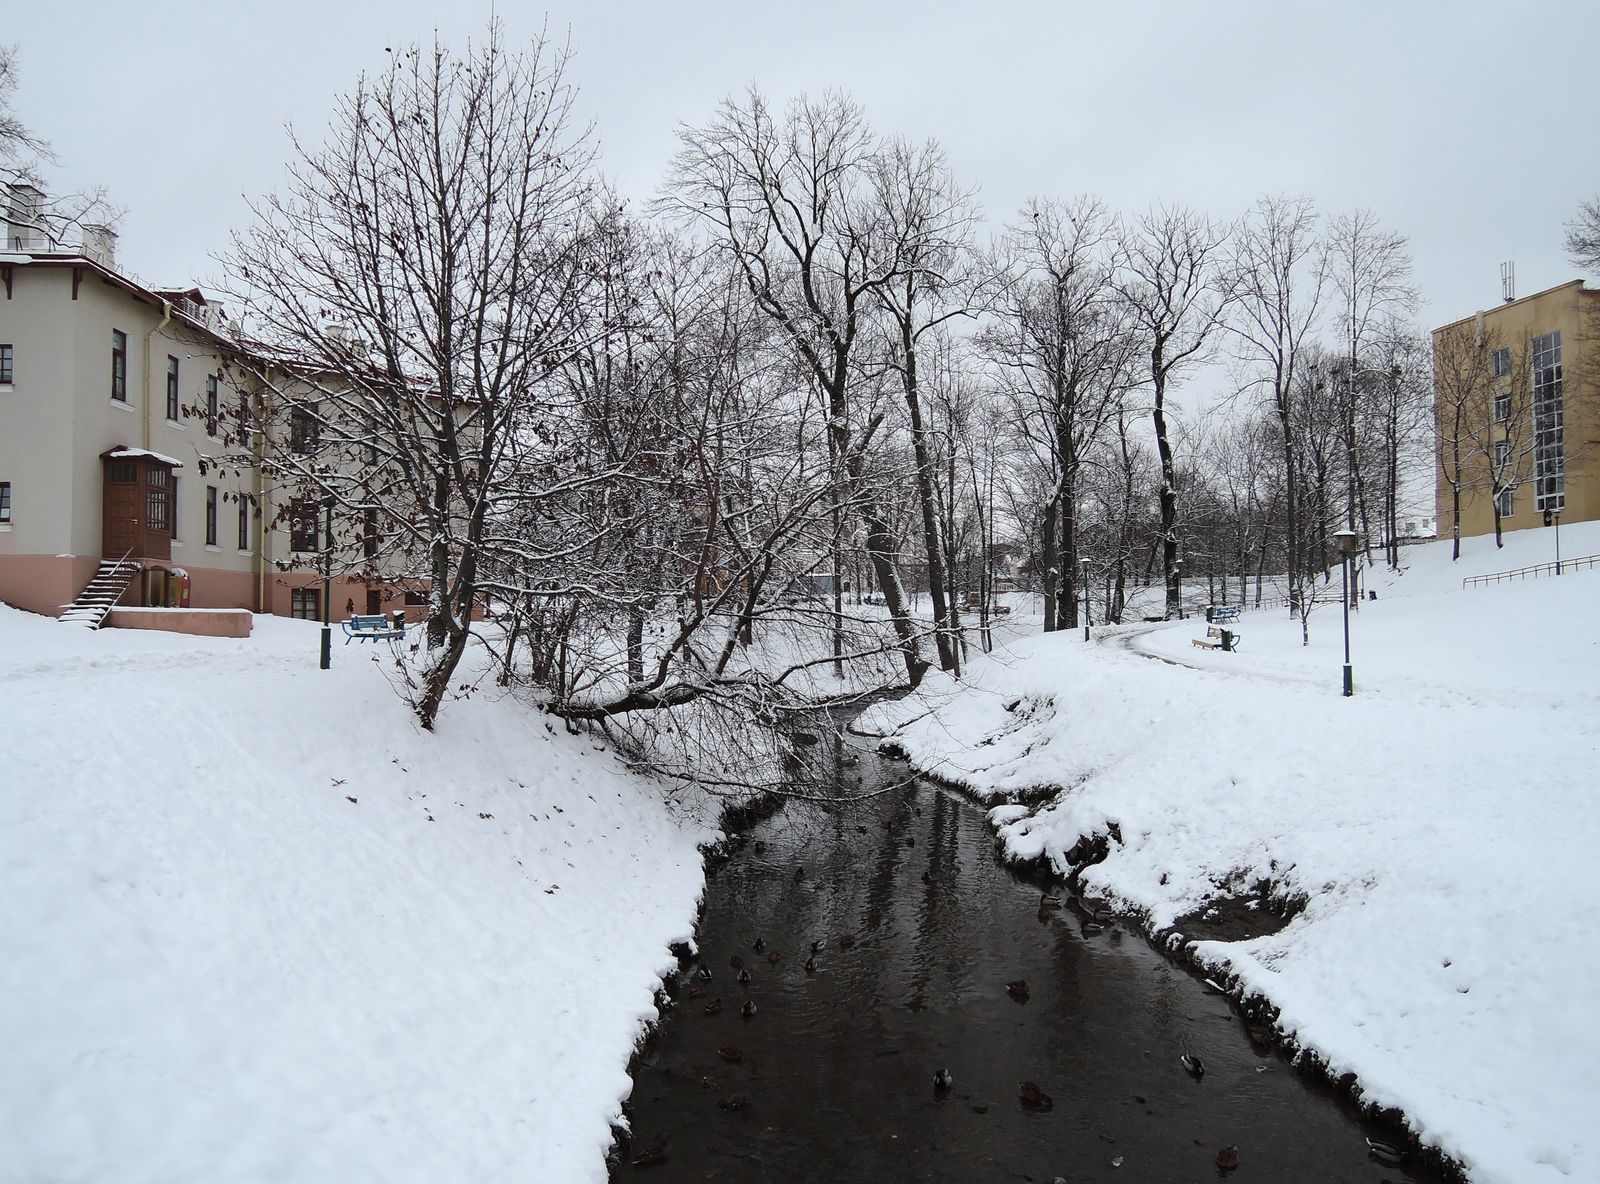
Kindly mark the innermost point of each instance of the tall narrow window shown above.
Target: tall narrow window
(244, 523)
(119, 365)
(213, 397)
(303, 532)
(1502, 408)
(175, 507)
(244, 418)
(303, 430)
(5, 365)
(369, 532)
(1549, 453)
(1502, 361)
(1502, 453)
(172, 387)
(1506, 502)
(5, 503)
(211, 515)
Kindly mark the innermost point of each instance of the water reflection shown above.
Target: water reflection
(836, 1069)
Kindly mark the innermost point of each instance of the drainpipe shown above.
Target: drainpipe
(149, 339)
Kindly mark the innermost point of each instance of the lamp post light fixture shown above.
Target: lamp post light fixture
(1085, 564)
(1553, 518)
(1346, 541)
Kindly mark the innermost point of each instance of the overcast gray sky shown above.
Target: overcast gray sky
(1468, 127)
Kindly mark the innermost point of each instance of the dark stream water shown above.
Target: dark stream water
(836, 1068)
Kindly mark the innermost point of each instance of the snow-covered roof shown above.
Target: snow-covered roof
(142, 454)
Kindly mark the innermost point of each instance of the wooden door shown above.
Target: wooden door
(122, 516)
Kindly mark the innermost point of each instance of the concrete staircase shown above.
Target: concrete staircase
(101, 593)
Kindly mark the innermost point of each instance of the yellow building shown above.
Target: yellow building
(1517, 412)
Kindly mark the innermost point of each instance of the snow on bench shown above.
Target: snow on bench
(1225, 639)
(378, 628)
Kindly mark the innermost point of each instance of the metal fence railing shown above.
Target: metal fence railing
(1534, 572)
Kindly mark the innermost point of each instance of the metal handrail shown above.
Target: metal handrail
(1532, 572)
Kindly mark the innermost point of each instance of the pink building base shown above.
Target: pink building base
(198, 622)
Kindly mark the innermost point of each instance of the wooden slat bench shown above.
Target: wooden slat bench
(379, 628)
(1224, 639)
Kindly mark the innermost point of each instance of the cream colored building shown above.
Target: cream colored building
(116, 421)
(1517, 411)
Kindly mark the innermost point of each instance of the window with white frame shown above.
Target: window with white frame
(1502, 361)
(1506, 501)
(172, 388)
(1549, 454)
(1502, 408)
(213, 394)
(1502, 454)
(5, 503)
(211, 515)
(6, 356)
(119, 365)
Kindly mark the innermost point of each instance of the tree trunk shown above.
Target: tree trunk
(1050, 561)
(1168, 495)
(932, 550)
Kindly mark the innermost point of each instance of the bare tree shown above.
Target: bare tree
(1583, 235)
(424, 274)
(17, 142)
(1280, 272)
(790, 200)
(1370, 270)
(1461, 381)
(926, 223)
(23, 154)
(1402, 415)
(1171, 275)
(1063, 346)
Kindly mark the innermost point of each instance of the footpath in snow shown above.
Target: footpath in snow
(1441, 826)
(256, 926)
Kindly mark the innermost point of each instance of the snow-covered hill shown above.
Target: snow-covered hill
(254, 926)
(1441, 824)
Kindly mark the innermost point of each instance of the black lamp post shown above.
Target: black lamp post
(1085, 565)
(1177, 572)
(327, 582)
(1346, 540)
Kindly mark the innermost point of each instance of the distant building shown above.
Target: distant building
(1517, 411)
(115, 400)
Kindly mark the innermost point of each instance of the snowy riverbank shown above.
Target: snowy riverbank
(1440, 825)
(255, 926)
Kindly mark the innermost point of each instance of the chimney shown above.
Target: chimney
(100, 245)
(25, 218)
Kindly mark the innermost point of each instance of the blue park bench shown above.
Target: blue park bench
(378, 628)
(1221, 614)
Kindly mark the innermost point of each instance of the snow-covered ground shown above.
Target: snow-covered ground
(1442, 824)
(255, 926)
